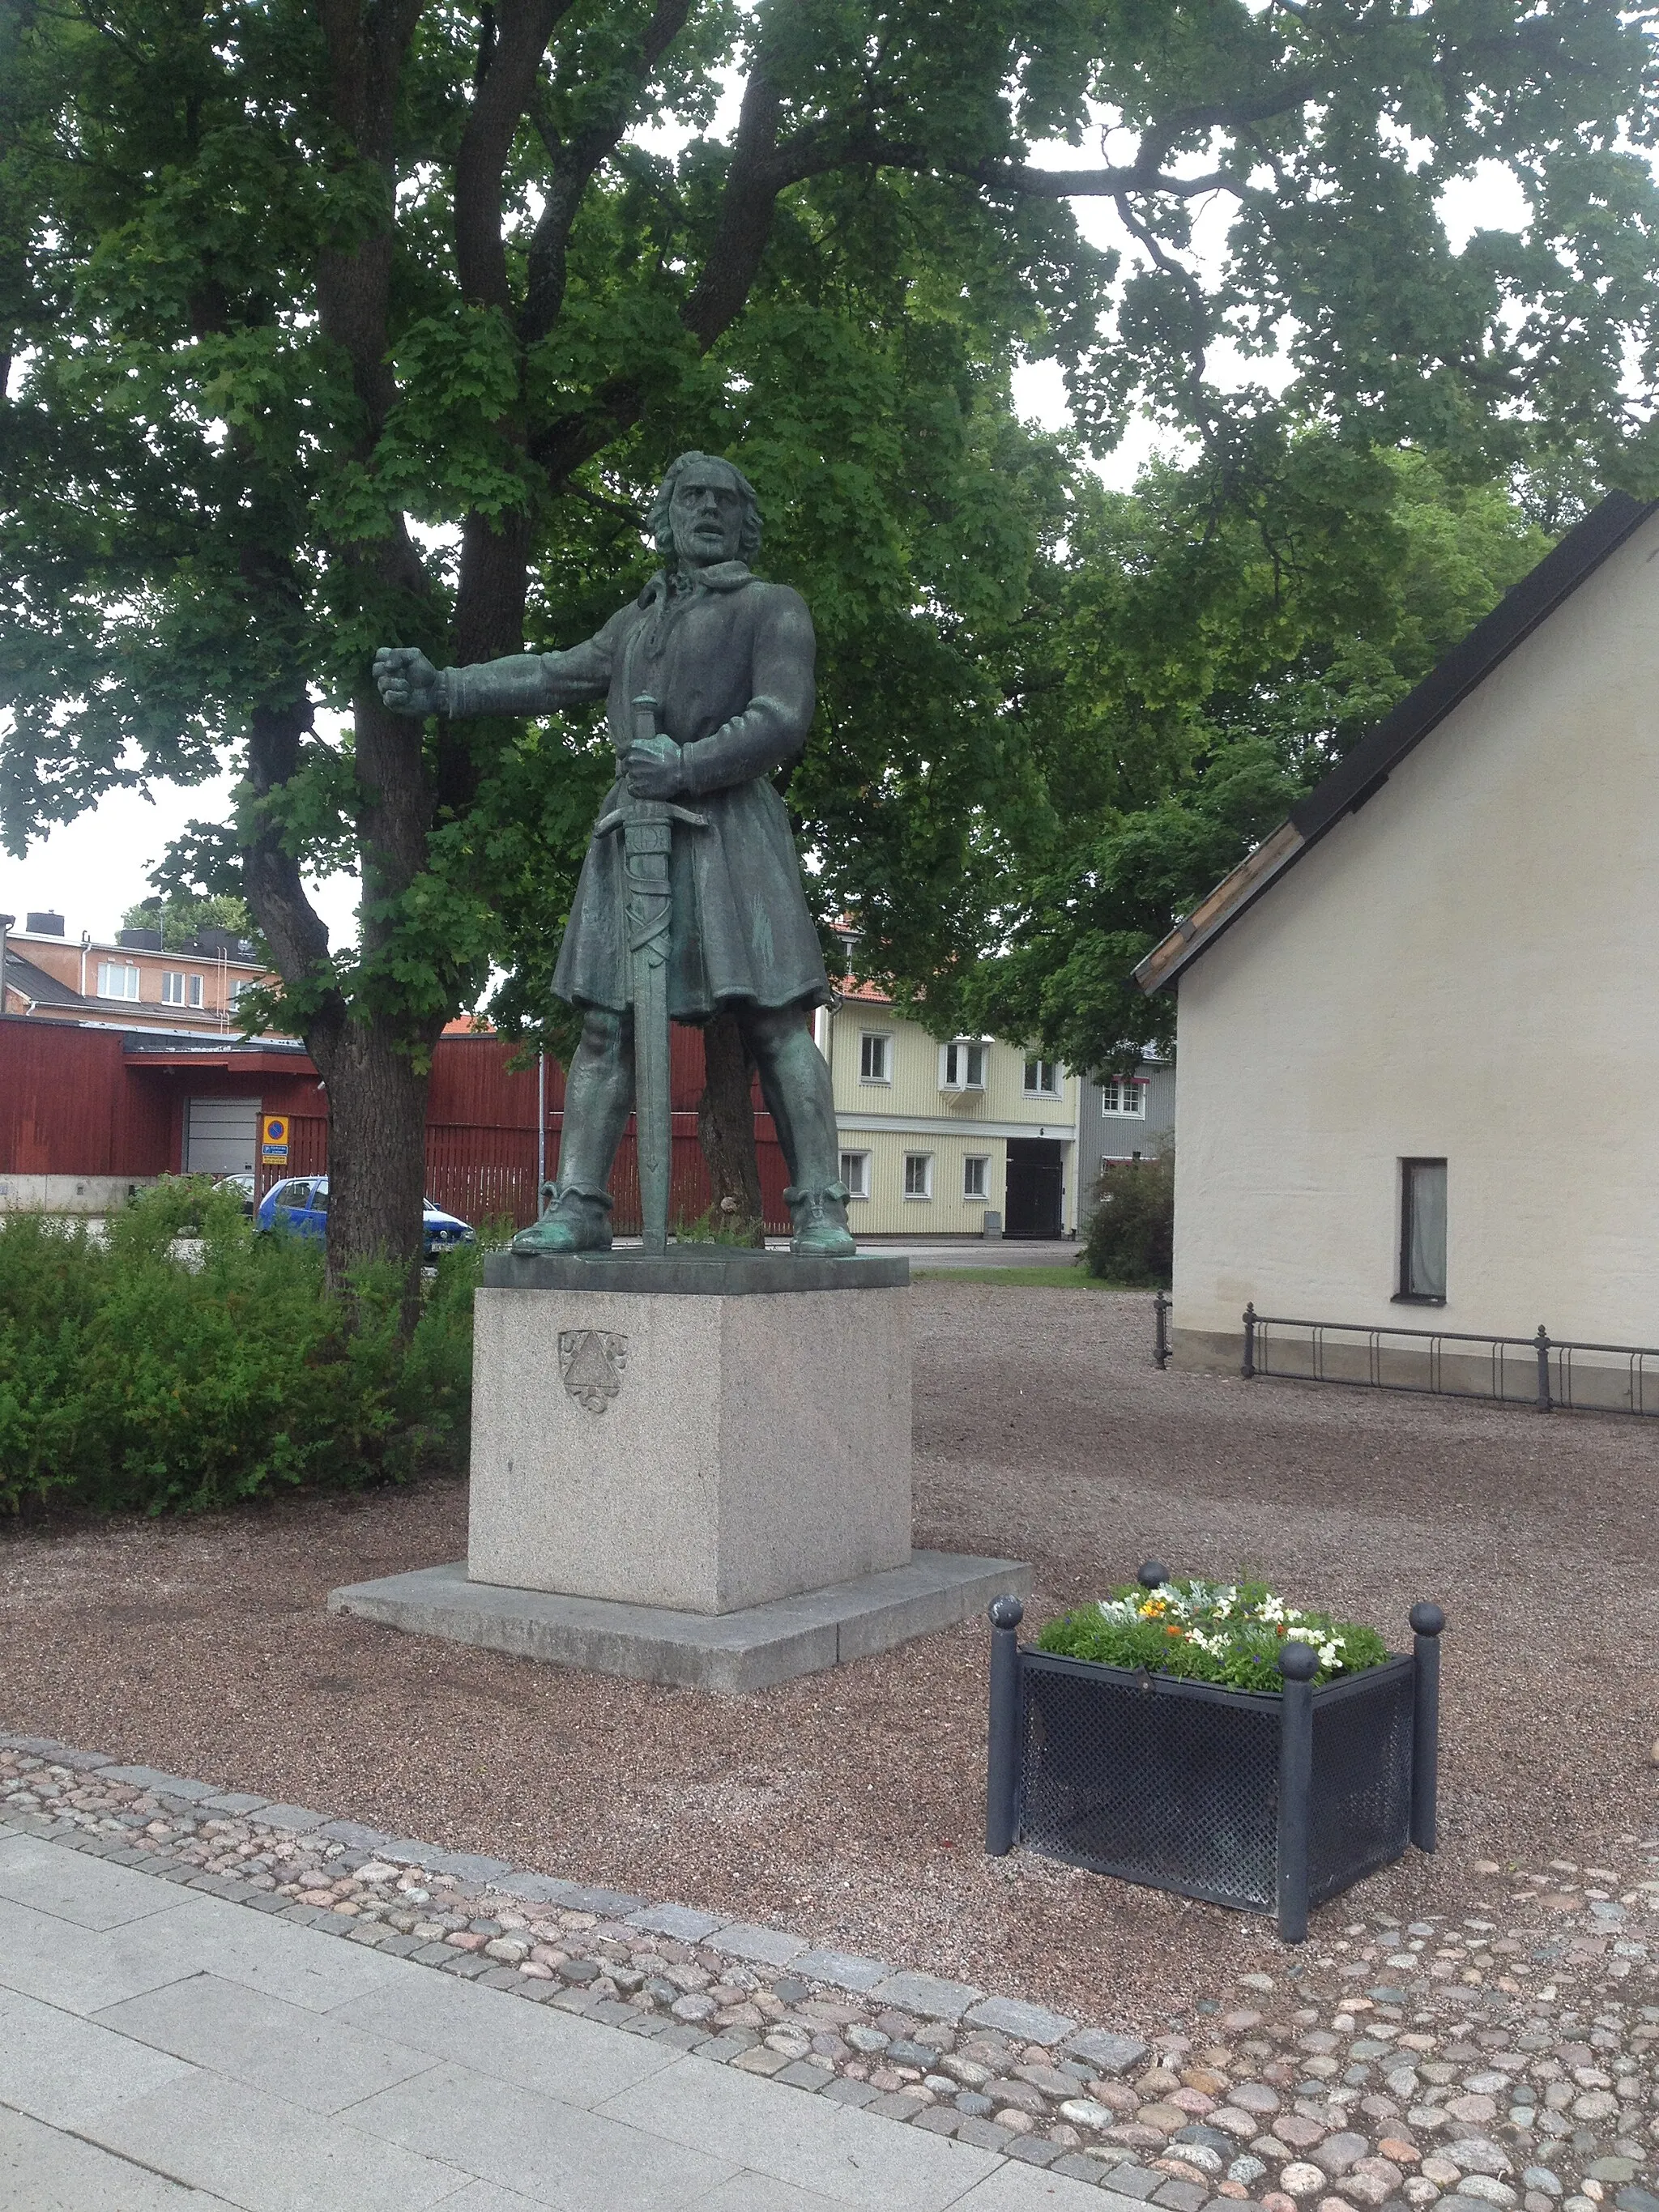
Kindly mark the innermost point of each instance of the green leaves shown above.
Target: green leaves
(135, 1380)
(1212, 645)
(1225, 1632)
(297, 374)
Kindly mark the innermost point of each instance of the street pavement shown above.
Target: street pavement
(164, 2050)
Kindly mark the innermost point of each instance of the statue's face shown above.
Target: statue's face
(706, 514)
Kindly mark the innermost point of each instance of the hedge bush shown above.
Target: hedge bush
(1130, 1233)
(135, 1376)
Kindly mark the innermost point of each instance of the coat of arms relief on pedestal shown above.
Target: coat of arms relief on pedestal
(591, 1364)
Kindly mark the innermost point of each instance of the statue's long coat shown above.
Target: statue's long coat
(730, 659)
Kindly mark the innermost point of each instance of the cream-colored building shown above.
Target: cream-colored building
(947, 1139)
(1384, 1011)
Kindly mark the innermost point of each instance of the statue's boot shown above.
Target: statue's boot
(795, 1083)
(820, 1219)
(577, 1221)
(598, 1100)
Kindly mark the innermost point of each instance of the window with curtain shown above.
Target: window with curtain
(1423, 1229)
(117, 979)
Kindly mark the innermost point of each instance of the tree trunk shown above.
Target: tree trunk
(725, 1130)
(376, 1155)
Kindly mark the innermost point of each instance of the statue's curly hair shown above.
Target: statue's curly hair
(659, 527)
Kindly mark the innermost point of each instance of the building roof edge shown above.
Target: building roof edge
(1523, 608)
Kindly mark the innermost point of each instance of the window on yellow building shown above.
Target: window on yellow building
(875, 1057)
(1042, 1078)
(962, 1065)
(918, 1174)
(855, 1174)
(975, 1174)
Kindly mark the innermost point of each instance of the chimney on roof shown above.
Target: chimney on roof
(217, 944)
(139, 940)
(43, 925)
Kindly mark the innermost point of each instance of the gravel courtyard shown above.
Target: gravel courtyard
(851, 1805)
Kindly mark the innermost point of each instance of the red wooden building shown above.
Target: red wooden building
(107, 1105)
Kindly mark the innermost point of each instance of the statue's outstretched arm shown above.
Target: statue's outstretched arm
(772, 728)
(525, 682)
(520, 683)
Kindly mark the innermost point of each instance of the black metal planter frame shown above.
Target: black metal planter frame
(1263, 1802)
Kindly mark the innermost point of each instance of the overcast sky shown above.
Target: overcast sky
(93, 869)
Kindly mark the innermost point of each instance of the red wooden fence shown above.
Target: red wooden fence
(73, 1100)
(481, 1140)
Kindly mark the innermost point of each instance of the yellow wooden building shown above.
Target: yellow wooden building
(947, 1139)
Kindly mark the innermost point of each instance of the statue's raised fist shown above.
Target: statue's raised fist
(408, 681)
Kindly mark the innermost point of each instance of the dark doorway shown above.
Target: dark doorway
(1035, 1184)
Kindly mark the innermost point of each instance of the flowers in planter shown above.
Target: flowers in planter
(1225, 1632)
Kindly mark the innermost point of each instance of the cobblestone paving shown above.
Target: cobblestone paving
(1501, 2061)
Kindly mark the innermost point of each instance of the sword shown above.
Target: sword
(648, 832)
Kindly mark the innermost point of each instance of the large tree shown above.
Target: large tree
(1209, 653)
(370, 320)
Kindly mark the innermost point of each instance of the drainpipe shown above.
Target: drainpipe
(86, 942)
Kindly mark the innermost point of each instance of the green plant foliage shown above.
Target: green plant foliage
(134, 1377)
(1229, 1632)
(328, 327)
(1130, 1235)
(180, 918)
(1214, 645)
(711, 1226)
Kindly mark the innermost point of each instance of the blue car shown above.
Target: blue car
(300, 1204)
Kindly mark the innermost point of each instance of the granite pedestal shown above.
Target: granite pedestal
(691, 1467)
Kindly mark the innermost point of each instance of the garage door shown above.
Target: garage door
(221, 1135)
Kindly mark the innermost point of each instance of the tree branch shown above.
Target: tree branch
(291, 924)
(506, 80)
(1202, 413)
(753, 182)
(573, 165)
(1098, 184)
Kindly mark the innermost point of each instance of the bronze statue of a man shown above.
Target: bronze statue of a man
(728, 661)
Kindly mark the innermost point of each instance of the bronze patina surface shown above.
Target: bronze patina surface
(708, 683)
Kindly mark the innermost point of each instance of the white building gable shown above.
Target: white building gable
(1467, 970)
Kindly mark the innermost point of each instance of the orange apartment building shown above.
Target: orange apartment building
(130, 983)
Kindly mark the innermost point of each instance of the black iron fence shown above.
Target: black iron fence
(1544, 1371)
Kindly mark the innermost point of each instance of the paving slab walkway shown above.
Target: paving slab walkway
(164, 2050)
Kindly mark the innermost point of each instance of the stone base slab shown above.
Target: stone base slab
(727, 1653)
(680, 1442)
(694, 1270)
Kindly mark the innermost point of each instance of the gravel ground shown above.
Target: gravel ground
(850, 1807)
(1436, 2063)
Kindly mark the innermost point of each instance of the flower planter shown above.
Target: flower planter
(1264, 1803)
